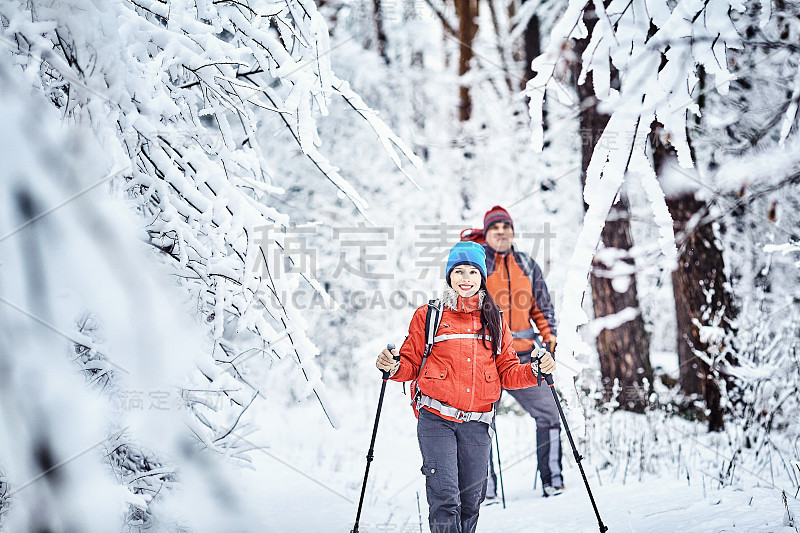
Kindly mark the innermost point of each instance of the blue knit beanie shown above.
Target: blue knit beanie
(466, 253)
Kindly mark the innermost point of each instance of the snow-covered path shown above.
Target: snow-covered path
(310, 481)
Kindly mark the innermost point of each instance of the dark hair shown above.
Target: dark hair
(491, 320)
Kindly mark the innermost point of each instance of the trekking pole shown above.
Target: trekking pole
(390, 347)
(578, 457)
(500, 469)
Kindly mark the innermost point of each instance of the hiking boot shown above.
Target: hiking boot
(490, 500)
(550, 490)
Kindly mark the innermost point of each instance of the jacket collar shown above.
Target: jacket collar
(491, 250)
(451, 299)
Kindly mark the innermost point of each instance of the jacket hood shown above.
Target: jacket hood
(450, 297)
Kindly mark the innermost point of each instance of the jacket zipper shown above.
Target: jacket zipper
(474, 365)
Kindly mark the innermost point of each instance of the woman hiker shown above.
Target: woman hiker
(458, 384)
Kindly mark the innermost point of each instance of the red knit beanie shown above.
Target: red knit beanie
(495, 215)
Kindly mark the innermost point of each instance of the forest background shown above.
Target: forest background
(216, 211)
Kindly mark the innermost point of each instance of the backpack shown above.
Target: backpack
(474, 235)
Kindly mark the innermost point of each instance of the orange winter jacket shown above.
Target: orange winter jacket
(461, 372)
(517, 285)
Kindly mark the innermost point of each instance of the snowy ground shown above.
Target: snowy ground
(310, 481)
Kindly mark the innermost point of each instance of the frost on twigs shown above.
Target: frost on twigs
(181, 92)
(177, 95)
(790, 247)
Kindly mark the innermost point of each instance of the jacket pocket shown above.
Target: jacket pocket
(434, 372)
(435, 383)
(491, 385)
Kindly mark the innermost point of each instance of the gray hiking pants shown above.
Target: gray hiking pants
(540, 404)
(455, 457)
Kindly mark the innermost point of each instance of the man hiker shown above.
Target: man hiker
(516, 283)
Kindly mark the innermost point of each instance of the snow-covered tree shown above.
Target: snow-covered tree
(667, 70)
(642, 58)
(623, 345)
(176, 94)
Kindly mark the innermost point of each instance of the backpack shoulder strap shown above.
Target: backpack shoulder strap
(500, 340)
(432, 320)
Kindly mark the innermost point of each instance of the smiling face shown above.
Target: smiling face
(500, 237)
(465, 280)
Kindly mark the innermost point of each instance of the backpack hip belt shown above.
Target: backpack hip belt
(448, 410)
(529, 333)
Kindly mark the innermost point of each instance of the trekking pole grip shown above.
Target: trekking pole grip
(547, 377)
(390, 347)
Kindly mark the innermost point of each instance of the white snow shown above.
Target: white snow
(327, 467)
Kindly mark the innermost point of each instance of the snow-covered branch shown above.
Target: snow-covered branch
(177, 94)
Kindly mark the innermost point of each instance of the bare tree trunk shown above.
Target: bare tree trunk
(624, 351)
(380, 33)
(533, 46)
(500, 38)
(467, 12)
(700, 288)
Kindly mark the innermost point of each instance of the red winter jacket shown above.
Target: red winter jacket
(461, 372)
